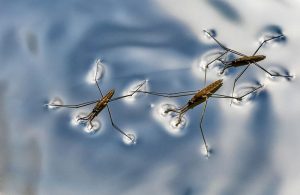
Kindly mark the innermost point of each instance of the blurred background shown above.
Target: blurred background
(48, 51)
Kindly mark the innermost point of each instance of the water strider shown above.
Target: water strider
(100, 105)
(243, 60)
(199, 97)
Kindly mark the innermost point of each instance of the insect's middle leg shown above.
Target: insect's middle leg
(236, 79)
(225, 48)
(265, 41)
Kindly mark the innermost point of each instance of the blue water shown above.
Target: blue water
(47, 49)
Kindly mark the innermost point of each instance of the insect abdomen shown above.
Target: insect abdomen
(247, 60)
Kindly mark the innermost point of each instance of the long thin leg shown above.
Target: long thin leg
(265, 41)
(117, 128)
(255, 89)
(109, 112)
(201, 121)
(172, 93)
(273, 75)
(225, 48)
(237, 98)
(206, 66)
(75, 105)
(222, 96)
(226, 65)
(236, 79)
(180, 94)
(124, 96)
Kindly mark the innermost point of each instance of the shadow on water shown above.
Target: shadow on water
(226, 9)
(256, 162)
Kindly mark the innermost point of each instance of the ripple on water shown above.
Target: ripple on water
(204, 152)
(163, 108)
(244, 90)
(279, 70)
(96, 125)
(177, 129)
(53, 102)
(132, 140)
(269, 32)
(96, 72)
(132, 87)
(169, 120)
(208, 57)
(204, 37)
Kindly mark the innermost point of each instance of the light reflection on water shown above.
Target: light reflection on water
(48, 53)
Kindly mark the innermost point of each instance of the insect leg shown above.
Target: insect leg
(255, 89)
(201, 121)
(110, 115)
(237, 78)
(170, 95)
(274, 75)
(117, 128)
(265, 41)
(225, 48)
(133, 92)
(74, 105)
(206, 66)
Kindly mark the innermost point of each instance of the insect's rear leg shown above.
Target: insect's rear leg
(273, 75)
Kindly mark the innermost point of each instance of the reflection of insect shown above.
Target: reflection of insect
(199, 97)
(100, 105)
(244, 60)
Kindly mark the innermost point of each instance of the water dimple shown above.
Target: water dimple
(96, 72)
(206, 37)
(272, 31)
(276, 70)
(130, 140)
(177, 129)
(163, 108)
(244, 90)
(53, 104)
(205, 152)
(138, 85)
(208, 57)
(76, 116)
(96, 125)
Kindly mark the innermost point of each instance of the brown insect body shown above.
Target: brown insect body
(245, 60)
(101, 104)
(202, 95)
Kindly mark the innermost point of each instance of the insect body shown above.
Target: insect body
(243, 60)
(100, 105)
(199, 97)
